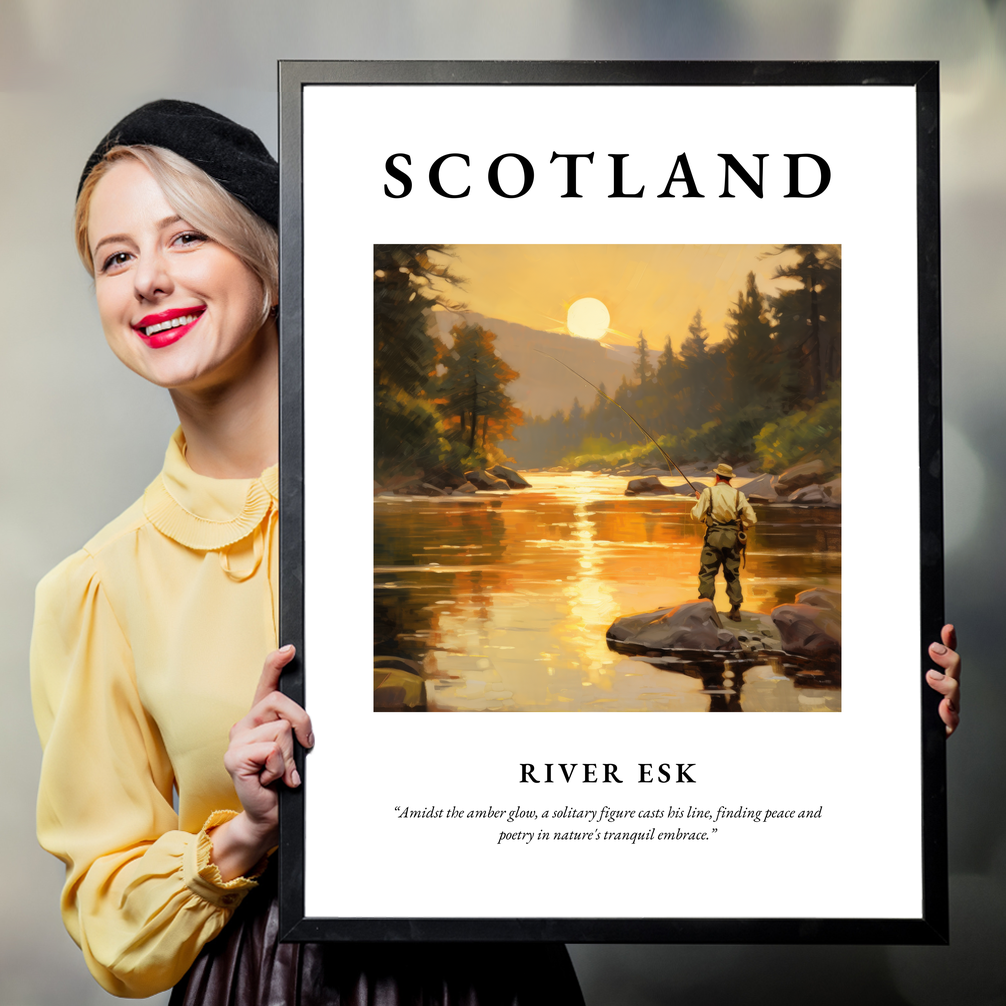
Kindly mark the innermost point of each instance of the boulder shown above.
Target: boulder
(651, 486)
(658, 472)
(834, 489)
(809, 631)
(808, 473)
(821, 597)
(761, 489)
(688, 626)
(810, 494)
(483, 480)
(464, 489)
(419, 488)
(444, 478)
(510, 477)
(397, 686)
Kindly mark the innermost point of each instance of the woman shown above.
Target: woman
(148, 643)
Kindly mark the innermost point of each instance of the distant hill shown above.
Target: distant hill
(544, 386)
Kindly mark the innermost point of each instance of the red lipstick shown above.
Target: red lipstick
(166, 327)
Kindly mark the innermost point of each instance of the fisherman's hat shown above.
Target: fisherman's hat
(724, 471)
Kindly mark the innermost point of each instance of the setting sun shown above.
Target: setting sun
(588, 318)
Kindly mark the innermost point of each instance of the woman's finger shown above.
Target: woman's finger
(275, 706)
(278, 732)
(944, 684)
(950, 716)
(273, 766)
(261, 760)
(949, 636)
(948, 659)
(271, 671)
(947, 680)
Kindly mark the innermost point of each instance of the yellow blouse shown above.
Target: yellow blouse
(147, 647)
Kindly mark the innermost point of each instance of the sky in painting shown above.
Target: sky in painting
(653, 289)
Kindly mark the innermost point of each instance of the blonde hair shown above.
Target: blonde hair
(199, 200)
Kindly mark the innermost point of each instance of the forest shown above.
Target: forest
(770, 392)
(436, 406)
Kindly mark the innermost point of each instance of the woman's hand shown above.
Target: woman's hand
(947, 682)
(260, 753)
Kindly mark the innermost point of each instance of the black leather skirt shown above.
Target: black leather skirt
(246, 965)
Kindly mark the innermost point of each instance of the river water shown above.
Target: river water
(505, 598)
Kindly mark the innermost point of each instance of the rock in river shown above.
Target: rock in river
(652, 486)
(821, 597)
(811, 494)
(483, 480)
(420, 488)
(809, 473)
(688, 626)
(809, 630)
(443, 478)
(509, 476)
(761, 489)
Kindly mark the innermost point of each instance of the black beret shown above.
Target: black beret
(230, 154)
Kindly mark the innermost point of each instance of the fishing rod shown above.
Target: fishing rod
(667, 456)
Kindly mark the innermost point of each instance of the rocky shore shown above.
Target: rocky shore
(802, 639)
(810, 483)
(443, 482)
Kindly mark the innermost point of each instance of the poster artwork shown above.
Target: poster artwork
(544, 417)
(580, 364)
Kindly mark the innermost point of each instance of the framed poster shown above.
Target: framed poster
(589, 293)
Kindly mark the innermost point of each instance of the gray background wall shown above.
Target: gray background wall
(82, 436)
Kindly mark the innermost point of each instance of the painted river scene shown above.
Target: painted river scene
(549, 423)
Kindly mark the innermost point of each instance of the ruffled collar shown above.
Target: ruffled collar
(203, 513)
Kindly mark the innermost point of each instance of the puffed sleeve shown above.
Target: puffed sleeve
(141, 898)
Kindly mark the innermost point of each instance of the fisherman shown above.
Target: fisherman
(726, 513)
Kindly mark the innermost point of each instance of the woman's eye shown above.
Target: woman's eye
(114, 261)
(190, 238)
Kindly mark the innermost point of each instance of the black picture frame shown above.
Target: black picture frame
(932, 925)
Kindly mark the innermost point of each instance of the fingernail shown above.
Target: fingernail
(287, 649)
(310, 740)
(938, 648)
(936, 674)
(295, 777)
(951, 706)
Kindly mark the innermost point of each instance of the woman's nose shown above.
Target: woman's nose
(152, 277)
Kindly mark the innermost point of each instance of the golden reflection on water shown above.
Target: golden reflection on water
(505, 599)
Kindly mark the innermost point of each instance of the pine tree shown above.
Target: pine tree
(698, 369)
(407, 432)
(643, 368)
(751, 351)
(809, 319)
(470, 389)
